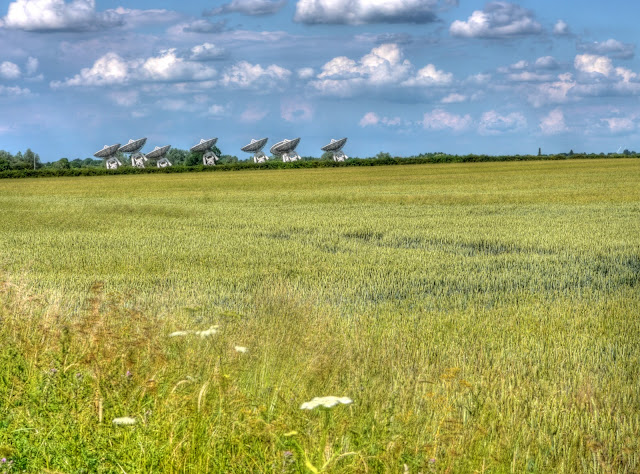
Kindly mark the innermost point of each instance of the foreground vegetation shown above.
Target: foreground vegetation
(482, 317)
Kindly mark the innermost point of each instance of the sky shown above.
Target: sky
(398, 76)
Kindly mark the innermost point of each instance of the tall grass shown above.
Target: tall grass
(481, 318)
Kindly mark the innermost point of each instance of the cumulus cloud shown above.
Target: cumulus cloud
(372, 119)
(111, 69)
(454, 98)
(553, 123)
(206, 52)
(492, 123)
(296, 111)
(57, 15)
(546, 62)
(306, 73)
(197, 27)
(440, 119)
(610, 47)
(561, 28)
(383, 66)
(248, 7)
(13, 91)
(244, 75)
(359, 12)
(497, 20)
(32, 65)
(9, 70)
(620, 124)
(430, 76)
(593, 64)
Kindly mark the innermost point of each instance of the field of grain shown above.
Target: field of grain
(481, 317)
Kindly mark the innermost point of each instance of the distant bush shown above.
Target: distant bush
(381, 159)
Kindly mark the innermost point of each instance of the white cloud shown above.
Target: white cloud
(611, 47)
(32, 65)
(593, 64)
(169, 67)
(454, 98)
(125, 98)
(370, 118)
(206, 52)
(57, 15)
(527, 76)
(244, 75)
(430, 76)
(306, 73)
(108, 70)
(197, 27)
(546, 62)
(9, 70)
(14, 91)
(111, 69)
(217, 110)
(383, 66)
(556, 92)
(249, 7)
(497, 20)
(553, 123)
(620, 124)
(492, 123)
(440, 119)
(296, 111)
(358, 12)
(561, 28)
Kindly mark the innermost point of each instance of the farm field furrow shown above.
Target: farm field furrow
(481, 317)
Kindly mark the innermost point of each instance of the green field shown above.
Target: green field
(482, 317)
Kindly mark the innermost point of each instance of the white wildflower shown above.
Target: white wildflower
(326, 402)
(179, 333)
(126, 420)
(209, 332)
(240, 349)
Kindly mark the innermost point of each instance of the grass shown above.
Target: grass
(482, 317)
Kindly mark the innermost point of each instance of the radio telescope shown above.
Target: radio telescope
(256, 147)
(159, 153)
(109, 154)
(209, 158)
(286, 148)
(335, 147)
(132, 148)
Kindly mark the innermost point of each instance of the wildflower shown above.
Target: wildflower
(179, 333)
(126, 420)
(432, 460)
(4, 460)
(209, 332)
(326, 402)
(53, 371)
(240, 349)
(287, 454)
(129, 374)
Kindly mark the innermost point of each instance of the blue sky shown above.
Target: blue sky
(401, 76)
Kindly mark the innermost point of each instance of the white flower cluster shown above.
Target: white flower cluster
(326, 402)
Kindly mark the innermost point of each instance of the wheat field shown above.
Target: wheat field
(480, 317)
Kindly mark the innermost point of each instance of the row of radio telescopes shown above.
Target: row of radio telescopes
(285, 148)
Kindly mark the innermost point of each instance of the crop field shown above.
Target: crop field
(480, 317)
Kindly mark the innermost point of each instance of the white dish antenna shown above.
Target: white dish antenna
(255, 147)
(335, 147)
(159, 154)
(287, 149)
(209, 158)
(132, 148)
(108, 152)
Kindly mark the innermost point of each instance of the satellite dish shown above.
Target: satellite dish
(132, 148)
(209, 158)
(255, 147)
(286, 148)
(109, 153)
(159, 154)
(335, 147)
